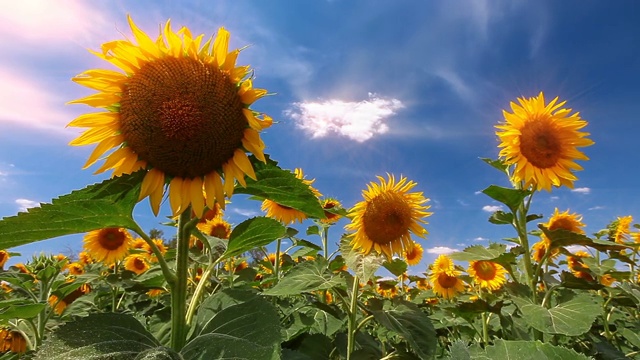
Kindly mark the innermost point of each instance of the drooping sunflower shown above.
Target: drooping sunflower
(136, 263)
(75, 268)
(384, 221)
(13, 341)
(541, 140)
(578, 267)
(413, 255)
(108, 245)
(330, 204)
(487, 274)
(59, 305)
(286, 214)
(179, 110)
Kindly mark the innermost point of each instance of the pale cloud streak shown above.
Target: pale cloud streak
(582, 190)
(24, 204)
(491, 208)
(441, 250)
(359, 121)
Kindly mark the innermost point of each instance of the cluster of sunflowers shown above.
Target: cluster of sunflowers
(175, 124)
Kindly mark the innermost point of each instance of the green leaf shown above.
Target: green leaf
(571, 318)
(632, 337)
(252, 233)
(364, 266)
(527, 350)
(20, 311)
(510, 197)
(396, 266)
(107, 204)
(413, 325)
(248, 330)
(501, 218)
(160, 353)
(219, 301)
(108, 336)
(306, 277)
(316, 347)
(497, 164)
(479, 252)
(562, 238)
(282, 187)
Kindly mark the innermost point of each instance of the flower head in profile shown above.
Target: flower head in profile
(330, 204)
(578, 267)
(413, 255)
(75, 268)
(487, 274)
(136, 263)
(177, 109)
(4, 256)
(13, 341)
(108, 245)
(622, 229)
(541, 140)
(559, 220)
(384, 221)
(286, 214)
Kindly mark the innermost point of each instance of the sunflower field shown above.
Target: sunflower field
(176, 125)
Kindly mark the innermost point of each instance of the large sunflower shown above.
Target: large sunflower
(108, 245)
(541, 140)
(286, 214)
(389, 213)
(487, 274)
(180, 111)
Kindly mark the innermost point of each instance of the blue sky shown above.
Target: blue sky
(362, 88)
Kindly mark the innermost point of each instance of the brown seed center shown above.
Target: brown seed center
(540, 143)
(485, 270)
(111, 239)
(182, 116)
(447, 281)
(386, 218)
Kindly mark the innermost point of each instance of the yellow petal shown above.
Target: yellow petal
(103, 147)
(214, 189)
(197, 199)
(221, 47)
(94, 135)
(175, 190)
(242, 161)
(98, 100)
(143, 39)
(95, 119)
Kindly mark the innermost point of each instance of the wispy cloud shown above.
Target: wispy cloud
(575, 248)
(480, 238)
(491, 208)
(581, 190)
(441, 250)
(359, 121)
(246, 212)
(597, 207)
(24, 204)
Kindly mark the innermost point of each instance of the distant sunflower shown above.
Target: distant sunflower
(607, 280)
(622, 229)
(286, 214)
(384, 221)
(559, 220)
(136, 263)
(216, 227)
(108, 245)
(330, 204)
(447, 285)
(59, 305)
(578, 267)
(443, 264)
(75, 268)
(541, 140)
(180, 111)
(413, 255)
(4, 256)
(159, 244)
(487, 274)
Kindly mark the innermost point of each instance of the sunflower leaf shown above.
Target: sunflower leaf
(282, 187)
(510, 197)
(107, 204)
(306, 277)
(251, 233)
(364, 266)
(571, 318)
(479, 252)
(108, 336)
(562, 237)
(526, 350)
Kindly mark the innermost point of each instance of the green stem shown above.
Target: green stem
(352, 326)
(169, 275)
(485, 329)
(206, 274)
(521, 225)
(363, 322)
(276, 266)
(325, 242)
(179, 286)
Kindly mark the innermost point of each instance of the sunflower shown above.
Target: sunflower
(4, 256)
(154, 293)
(443, 264)
(447, 285)
(59, 306)
(487, 274)
(237, 264)
(413, 255)
(286, 214)
(423, 284)
(389, 213)
(578, 267)
(330, 204)
(108, 245)
(179, 110)
(12, 340)
(559, 220)
(607, 280)
(136, 263)
(622, 229)
(159, 244)
(75, 268)
(541, 140)
(216, 227)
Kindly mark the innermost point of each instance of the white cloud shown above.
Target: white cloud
(480, 238)
(441, 250)
(246, 212)
(491, 208)
(597, 207)
(359, 121)
(581, 190)
(575, 248)
(24, 204)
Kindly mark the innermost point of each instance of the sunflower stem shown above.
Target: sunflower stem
(276, 266)
(485, 329)
(352, 325)
(193, 305)
(169, 275)
(325, 242)
(179, 286)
